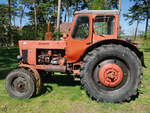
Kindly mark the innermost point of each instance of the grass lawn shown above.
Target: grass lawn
(61, 94)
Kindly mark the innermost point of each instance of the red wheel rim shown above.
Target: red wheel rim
(110, 75)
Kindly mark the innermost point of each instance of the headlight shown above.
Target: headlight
(19, 57)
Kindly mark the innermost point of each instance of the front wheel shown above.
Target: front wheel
(111, 73)
(20, 83)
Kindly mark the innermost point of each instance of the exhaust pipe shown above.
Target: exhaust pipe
(56, 68)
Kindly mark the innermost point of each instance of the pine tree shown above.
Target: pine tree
(134, 14)
(143, 8)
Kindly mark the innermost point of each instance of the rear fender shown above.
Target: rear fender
(117, 42)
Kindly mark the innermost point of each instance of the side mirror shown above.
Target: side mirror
(65, 36)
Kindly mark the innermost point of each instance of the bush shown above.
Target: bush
(9, 35)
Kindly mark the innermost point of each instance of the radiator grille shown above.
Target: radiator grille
(25, 55)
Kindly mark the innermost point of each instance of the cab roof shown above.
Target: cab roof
(98, 12)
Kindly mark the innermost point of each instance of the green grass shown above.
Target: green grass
(61, 94)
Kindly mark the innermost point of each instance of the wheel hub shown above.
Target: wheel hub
(20, 84)
(110, 75)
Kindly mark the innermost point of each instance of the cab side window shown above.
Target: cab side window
(104, 25)
(81, 28)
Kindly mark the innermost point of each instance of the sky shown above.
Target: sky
(128, 30)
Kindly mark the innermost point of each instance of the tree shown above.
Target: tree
(143, 6)
(9, 12)
(23, 4)
(3, 14)
(102, 4)
(3, 22)
(41, 10)
(14, 10)
(66, 5)
(70, 6)
(134, 14)
(35, 14)
(113, 4)
(97, 4)
(58, 16)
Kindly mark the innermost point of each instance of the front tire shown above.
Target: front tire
(20, 83)
(111, 73)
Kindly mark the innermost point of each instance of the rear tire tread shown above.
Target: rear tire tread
(91, 55)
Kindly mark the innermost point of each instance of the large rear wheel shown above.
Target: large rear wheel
(111, 73)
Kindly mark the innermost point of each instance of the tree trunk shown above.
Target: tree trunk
(14, 20)
(65, 17)
(22, 14)
(67, 11)
(35, 15)
(58, 16)
(146, 27)
(54, 10)
(12, 42)
(119, 9)
(9, 22)
(9, 12)
(35, 19)
(136, 28)
(68, 17)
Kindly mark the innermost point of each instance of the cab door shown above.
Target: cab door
(80, 37)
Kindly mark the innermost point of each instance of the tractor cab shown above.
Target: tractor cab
(89, 27)
(104, 22)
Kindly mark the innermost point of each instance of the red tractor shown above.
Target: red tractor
(110, 69)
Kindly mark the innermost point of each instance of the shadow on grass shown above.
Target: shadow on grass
(60, 80)
(146, 49)
(68, 80)
(7, 60)
(134, 97)
(4, 73)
